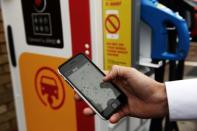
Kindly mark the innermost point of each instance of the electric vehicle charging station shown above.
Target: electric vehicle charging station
(39, 37)
(42, 34)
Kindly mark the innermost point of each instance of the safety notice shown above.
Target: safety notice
(117, 25)
(112, 23)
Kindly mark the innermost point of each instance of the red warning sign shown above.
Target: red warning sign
(49, 88)
(112, 23)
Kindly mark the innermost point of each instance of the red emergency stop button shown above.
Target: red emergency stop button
(38, 2)
(40, 5)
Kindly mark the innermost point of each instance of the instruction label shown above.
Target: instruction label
(117, 27)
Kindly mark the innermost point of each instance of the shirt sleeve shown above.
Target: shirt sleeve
(182, 99)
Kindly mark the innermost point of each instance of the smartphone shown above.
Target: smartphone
(105, 98)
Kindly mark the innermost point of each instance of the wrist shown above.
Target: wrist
(163, 99)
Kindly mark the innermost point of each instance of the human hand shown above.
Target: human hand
(146, 98)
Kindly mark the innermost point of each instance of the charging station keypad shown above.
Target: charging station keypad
(43, 23)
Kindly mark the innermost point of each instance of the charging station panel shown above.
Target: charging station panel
(82, 24)
(43, 26)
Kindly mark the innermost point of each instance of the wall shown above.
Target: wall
(7, 109)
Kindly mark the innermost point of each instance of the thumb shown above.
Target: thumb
(112, 74)
(116, 71)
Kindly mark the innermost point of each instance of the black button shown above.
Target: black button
(115, 104)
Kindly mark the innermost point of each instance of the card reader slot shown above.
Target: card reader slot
(11, 46)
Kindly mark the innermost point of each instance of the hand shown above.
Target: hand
(146, 97)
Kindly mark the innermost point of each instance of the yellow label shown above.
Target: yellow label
(117, 17)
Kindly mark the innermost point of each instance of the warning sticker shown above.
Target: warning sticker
(112, 24)
(49, 88)
(117, 25)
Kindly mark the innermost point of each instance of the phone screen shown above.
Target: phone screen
(88, 80)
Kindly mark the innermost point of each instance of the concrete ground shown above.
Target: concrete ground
(187, 125)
